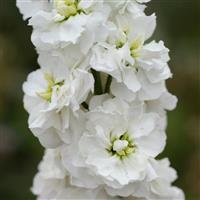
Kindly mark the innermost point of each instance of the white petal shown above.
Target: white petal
(152, 144)
(130, 79)
(121, 91)
(144, 126)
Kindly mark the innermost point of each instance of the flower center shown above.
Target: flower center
(121, 146)
(66, 8)
(119, 40)
(46, 95)
(136, 46)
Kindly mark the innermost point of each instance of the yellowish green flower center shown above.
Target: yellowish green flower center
(46, 95)
(67, 8)
(136, 46)
(121, 40)
(121, 146)
(119, 44)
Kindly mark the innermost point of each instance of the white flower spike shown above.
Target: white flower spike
(98, 101)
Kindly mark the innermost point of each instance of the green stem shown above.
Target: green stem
(108, 82)
(97, 85)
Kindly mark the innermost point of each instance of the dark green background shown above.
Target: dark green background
(20, 152)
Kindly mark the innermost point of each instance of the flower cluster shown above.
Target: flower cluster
(98, 101)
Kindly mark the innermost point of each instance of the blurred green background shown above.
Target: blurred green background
(20, 151)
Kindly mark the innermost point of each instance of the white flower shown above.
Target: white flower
(116, 147)
(157, 184)
(138, 69)
(51, 175)
(105, 149)
(52, 98)
(135, 7)
(69, 58)
(30, 7)
(66, 22)
(52, 182)
(51, 166)
(132, 29)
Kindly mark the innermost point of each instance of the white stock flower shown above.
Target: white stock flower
(105, 150)
(70, 58)
(52, 182)
(30, 7)
(157, 184)
(52, 98)
(135, 7)
(138, 69)
(66, 22)
(116, 147)
(51, 175)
